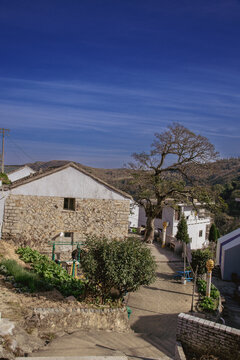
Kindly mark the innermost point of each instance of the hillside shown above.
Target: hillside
(223, 171)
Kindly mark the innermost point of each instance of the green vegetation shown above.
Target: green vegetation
(230, 192)
(229, 220)
(115, 267)
(26, 280)
(182, 232)
(213, 233)
(208, 303)
(4, 178)
(200, 257)
(54, 274)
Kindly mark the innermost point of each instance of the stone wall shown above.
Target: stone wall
(205, 336)
(35, 220)
(75, 318)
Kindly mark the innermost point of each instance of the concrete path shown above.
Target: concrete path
(154, 316)
(156, 307)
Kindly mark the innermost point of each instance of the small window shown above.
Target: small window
(67, 234)
(69, 204)
(200, 233)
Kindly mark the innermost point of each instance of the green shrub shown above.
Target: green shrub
(54, 274)
(208, 304)
(122, 266)
(213, 233)
(200, 257)
(4, 178)
(202, 286)
(27, 279)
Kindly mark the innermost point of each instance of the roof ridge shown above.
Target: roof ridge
(39, 175)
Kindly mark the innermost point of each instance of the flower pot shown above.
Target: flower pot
(183, 280)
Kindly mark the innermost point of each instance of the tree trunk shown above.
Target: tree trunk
(149, 233)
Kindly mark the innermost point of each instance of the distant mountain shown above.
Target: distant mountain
(223, 171)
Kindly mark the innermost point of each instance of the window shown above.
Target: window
(200, 233)
(68, 234)
(69, 204)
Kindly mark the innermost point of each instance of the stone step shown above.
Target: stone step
(75, 358)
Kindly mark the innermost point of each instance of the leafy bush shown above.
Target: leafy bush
(200, 257)
(54, 274)
(208, 304)
(26, 279)
(213, 233)
(202, 286)
(122, 266)
(4, 178)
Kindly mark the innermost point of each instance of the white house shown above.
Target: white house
(228, 254)
(20, 173)
(198, 223)
(37, 208)
(134, 215)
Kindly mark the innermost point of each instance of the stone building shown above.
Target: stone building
(63, 203)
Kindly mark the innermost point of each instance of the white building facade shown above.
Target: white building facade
(198, 224)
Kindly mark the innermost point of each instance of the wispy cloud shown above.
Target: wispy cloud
(128, 116)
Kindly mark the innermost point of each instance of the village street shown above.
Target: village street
(153, 320)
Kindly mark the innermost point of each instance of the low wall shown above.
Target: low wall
(206, 336)
(76, 318)
(179, 353)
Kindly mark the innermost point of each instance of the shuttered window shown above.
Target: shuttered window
(69, 204)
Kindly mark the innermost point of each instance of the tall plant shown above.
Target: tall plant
(182, 235)
(213, 233)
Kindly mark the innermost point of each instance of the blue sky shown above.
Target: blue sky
(93, 80)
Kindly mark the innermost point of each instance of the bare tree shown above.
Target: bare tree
(172, 169)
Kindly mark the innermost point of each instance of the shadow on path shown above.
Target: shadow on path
(168, 291)
(158, 332)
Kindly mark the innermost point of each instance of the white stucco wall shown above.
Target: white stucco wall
(70, 183)
(21, 173)
(134, 214)
(195, 225)
(142, 220)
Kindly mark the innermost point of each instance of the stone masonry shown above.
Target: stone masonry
(35, 220)
(208, 337)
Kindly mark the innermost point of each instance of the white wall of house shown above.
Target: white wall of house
(142, 220)
(134, 214)
(197, 225)
(228, 238)
(20, 173)
(68, 182)
(230, 259)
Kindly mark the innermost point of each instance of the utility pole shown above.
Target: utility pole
(3, 132)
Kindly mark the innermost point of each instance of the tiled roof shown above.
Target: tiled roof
(10, 168)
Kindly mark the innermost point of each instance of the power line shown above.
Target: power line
(3, 132)
(21, 149)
